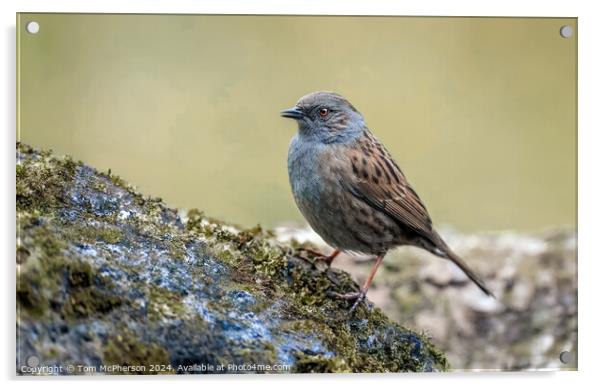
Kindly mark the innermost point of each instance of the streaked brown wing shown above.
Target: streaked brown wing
(380, 183)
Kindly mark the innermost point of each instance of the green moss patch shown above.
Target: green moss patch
(111, 276)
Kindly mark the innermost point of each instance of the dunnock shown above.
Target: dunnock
(352, 192)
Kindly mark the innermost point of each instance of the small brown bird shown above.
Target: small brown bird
(352, 192)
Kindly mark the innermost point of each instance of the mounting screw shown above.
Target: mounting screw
(566, 357)
(566, 31)
(33, 361)
(32, 27)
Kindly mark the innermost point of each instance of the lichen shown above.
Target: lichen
(127, 350)
(319, 364)
(165, 304)
(111, 267)
(41, 183)
(87, 293)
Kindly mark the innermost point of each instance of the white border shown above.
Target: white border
(590, 270)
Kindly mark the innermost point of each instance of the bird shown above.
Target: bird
(352, 192)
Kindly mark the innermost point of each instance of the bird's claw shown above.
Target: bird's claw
(356, 297)
(317, 258)
(325, 260)
(313, 252)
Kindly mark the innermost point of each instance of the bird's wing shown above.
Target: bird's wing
(378, 181)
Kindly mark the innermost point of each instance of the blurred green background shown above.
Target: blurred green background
(480, 113)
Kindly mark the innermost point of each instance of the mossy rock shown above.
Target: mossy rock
(118, 282)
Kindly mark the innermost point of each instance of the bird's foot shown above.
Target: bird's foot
(313, 252)
(319, 257)
(356, 297)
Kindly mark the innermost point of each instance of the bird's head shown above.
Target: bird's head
(326, 117)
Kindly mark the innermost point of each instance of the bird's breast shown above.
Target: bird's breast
(305, 174)
(315, 181)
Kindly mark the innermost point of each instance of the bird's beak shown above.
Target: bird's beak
(293, 113)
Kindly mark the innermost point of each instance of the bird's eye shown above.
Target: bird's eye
(323, 112)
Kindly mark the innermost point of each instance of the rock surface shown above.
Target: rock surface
(534, 277)
(110, 281)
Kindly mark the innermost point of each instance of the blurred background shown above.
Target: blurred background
(480, 113)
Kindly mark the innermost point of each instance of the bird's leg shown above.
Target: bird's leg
(331, 257)
(359, 296)
(326, 258)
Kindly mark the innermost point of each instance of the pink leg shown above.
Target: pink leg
(358, 297)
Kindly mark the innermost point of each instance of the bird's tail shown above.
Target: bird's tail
(443, 250)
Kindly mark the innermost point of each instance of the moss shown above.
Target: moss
(56, 281)
(439, 359)
(319, 364)
(41, 185)
(126, 350)
(177, 249)
(89, 234)
(309, 291)
(89, 302)
(116, 180)
(30, 295)
(308, 288)
(39, 278)
(194, 220)
(80, 275)
(355, 337)
(50, 246)
(267, 258)
(164, 304)
(227, 255)
(218, 233)
(88, 294)
(22, 255)
(249, 249)
(42, 280)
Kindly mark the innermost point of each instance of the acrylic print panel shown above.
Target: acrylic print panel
(164, 225)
